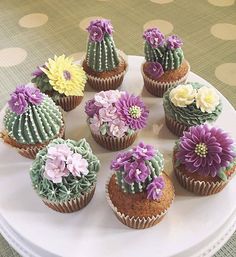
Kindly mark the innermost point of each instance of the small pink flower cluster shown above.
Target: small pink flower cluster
(61, 161)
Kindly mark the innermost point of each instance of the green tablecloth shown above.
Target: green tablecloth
(208, 29)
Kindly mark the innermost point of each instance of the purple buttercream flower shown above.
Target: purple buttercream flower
(38, 72)
(154, 37)
(136, 171)
(132, 111)
(121, 160)
(18, 103)
(33, 95)
(98, 28)
(155, 70)
(96, 34)
(154, 189)
(173, 42)
(205, 150)
(142, 151)
(91, 108)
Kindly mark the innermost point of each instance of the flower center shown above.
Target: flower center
(135, 111)
(138, 171)
(66, 75)
(201, 150)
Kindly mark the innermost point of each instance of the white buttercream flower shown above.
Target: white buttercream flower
(207, 99)
(182, 95)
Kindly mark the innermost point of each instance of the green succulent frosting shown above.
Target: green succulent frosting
(71, 186)
(154, 54)
(38, 124)
(102, 56)
(190, 115)
(156, 166)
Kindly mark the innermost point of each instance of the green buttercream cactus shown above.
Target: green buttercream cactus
(101, 50)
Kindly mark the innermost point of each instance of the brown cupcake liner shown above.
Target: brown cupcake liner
(114, 143)
(72, 205)
(198, 187)
(159, 88)
(69, 103)
(175, 127)
(131, 221)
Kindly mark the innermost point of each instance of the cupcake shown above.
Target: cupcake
(139, 192)
(62, 80)
(31, 121)
(64, 174)
(204, 159)
(104, 64)
(115, 117)
(190, 105)
(165, 65)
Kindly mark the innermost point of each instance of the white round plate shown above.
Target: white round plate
(95, 231)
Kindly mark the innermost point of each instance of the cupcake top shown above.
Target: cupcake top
(64, 169)
(192, 103)
(60, 77)
(116, 113)
(140, 170)
(32, 117)
(162, 54)
(102, 54)
(206, 150)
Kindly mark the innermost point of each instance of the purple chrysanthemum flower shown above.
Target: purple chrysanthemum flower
(154, 37)
(142, 151)
(173, 42)
(98, 28)
(154, 189)
(154, 69)
(205, 150)
(136, 171)
(91, 108)
(132, 111)
(121, 160)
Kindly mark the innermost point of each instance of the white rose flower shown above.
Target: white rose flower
(182, 95)
(207, 99)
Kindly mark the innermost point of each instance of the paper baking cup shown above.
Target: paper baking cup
(114, 143)
(131, 221)
(69, 103)
(72, 205)
(175, 127)
(159, 88)
(200, 187)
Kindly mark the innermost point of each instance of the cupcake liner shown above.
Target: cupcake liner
(69, 103)
(131, 221)
(72, 205)
(159, 88)
(200, 187)
(114, 143)
(175, 127)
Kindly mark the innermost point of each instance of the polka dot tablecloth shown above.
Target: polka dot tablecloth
(31, 31)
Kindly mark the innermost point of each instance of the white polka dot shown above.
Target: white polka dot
(224, 31)
(161, 1)
(165, 26)
(33, 20)
(12, 56)
(77, 56)
(226, 73)
(221, 3)
(85, 22)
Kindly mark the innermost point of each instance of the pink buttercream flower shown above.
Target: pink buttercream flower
(95, 124)
(77, 165)
(117, 128)
(108, 114)
(107, 98)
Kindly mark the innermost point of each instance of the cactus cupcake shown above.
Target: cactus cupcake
(63, 80)
(165, 65)
(64, 174)
(190, 105)
(115, 117)
(139, 192)
(104, 64)
(31, 121)
(204, 159)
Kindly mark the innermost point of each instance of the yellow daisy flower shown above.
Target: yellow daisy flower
(64, 76)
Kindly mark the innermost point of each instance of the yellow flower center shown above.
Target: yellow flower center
(201, 149)
(135, 111)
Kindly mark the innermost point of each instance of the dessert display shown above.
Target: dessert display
(204, 159)
(165, 65)
(139, 192)
(64, 174)
(189, 105)
(104, 64)
(115, 117)
(63, 80)
(31, 121)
